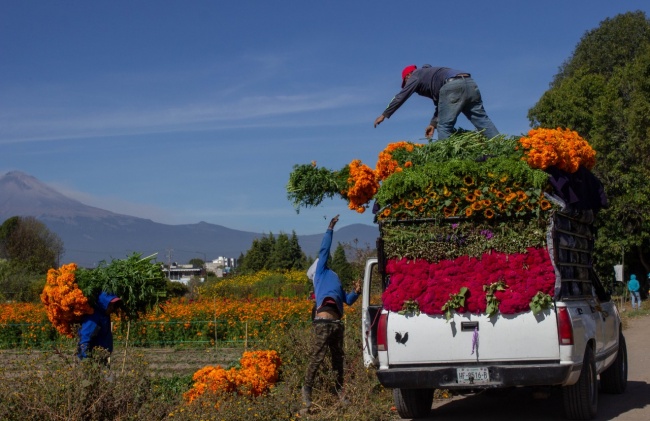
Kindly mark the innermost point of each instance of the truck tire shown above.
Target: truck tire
(581, 399)
(413, 403)
(614, 378)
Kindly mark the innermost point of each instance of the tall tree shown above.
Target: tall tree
(603, 92)
(280, 257)
(27, 242)
(257, 257)
(341, 266)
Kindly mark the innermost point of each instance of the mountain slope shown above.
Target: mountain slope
(91, 234)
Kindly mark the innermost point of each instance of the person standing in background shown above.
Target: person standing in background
(633, 286)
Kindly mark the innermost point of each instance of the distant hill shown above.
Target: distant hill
(91, 234)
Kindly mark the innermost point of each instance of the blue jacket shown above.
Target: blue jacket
(95, 328)
(633, 284)
(326, 281)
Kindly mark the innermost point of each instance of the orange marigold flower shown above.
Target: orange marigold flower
(488, 213)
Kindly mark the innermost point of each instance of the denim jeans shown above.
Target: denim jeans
(636, 299)
(462, 96)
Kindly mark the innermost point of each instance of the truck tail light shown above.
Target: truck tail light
(382, 344)
(565, 330)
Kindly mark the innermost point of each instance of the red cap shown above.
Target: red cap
(407, 71)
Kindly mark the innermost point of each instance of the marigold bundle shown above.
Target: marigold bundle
(258, 373)
(70, 292)
(64, 301)
(562, 148)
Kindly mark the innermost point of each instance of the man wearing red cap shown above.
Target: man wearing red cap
(452, 91)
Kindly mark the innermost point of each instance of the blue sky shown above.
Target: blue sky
(189, 111)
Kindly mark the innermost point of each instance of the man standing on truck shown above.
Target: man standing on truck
(327, 325)
(452, 91)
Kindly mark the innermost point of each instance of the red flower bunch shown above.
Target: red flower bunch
(431, 284)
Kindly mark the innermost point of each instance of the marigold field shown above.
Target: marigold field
(175, 323)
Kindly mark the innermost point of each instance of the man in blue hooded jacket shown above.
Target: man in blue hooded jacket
(634, 287)
(95, 330)
(327, 325)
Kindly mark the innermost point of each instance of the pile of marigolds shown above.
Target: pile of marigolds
(258, 373)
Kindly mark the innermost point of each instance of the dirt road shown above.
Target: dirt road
(527, 404)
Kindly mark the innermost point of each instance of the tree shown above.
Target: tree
(341, 266)
(28, 243)
(603, 92)
(257, 257)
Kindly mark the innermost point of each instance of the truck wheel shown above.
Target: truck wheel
(413, 403)
(581, 399)
(614, 378)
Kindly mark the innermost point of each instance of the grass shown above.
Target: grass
(53, 385)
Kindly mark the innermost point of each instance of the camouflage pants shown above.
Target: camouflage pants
(326, 336)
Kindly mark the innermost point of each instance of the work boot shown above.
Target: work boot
(306, 396)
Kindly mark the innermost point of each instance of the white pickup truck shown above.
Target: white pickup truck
(569, 344)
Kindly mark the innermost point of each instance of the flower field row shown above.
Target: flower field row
(173, 323)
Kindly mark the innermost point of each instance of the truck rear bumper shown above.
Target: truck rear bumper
(445, 377)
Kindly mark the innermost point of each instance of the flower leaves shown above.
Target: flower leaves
(455, 302)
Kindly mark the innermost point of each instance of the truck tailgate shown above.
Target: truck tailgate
(425, 339)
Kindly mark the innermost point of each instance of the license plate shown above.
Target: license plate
(473, 375)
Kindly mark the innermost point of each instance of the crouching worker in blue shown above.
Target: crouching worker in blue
(95, 330)
(327, 325)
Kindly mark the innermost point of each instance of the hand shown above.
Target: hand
(428, 132)
(333, 222)
(379, 120)
(357, 287)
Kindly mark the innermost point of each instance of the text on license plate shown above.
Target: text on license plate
(473, 375)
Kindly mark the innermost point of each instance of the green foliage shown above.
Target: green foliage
(55, 387)
(492, 307)
(435, 242)
(464, 146)
(541, 302)
(450, 174)
(17, 283)
(308, 185)
(271, 253)
(341, 266)
(603, 92)
(455, 301)
(410, 307)
(138, 281)
(27, 242)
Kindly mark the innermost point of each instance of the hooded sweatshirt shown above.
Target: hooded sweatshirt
(95, 328)
(633, 284)
(326, 281)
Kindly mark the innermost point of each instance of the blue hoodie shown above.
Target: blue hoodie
(326, 281)
(633, 284)
(95, 328)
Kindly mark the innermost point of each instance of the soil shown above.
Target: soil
(546, 404)
(164, 362)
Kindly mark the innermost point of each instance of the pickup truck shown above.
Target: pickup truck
(569, 342)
